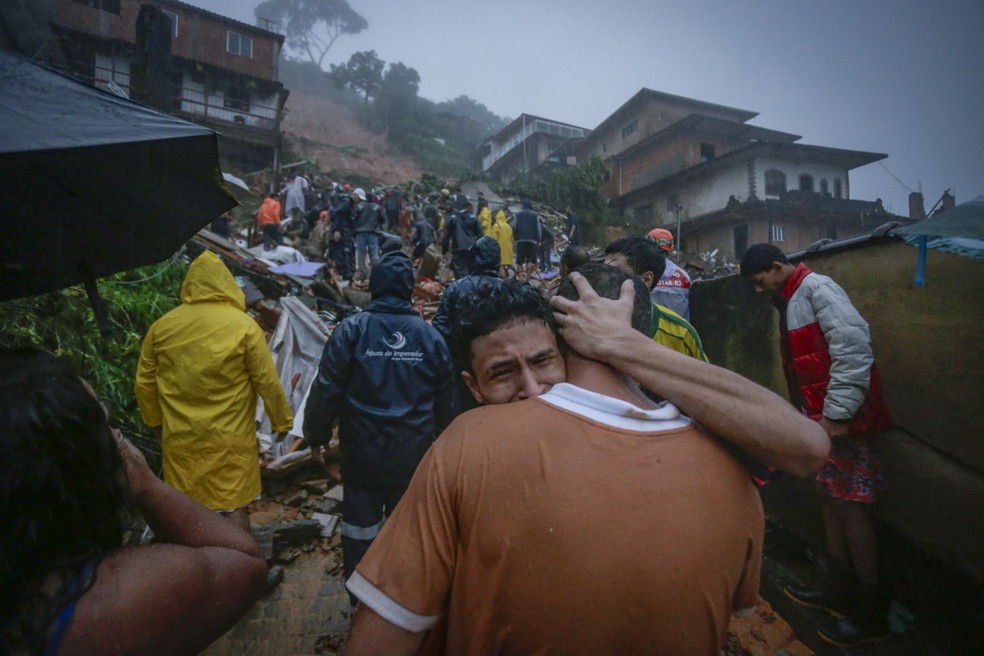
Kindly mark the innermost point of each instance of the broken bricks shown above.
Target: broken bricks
(296, 532)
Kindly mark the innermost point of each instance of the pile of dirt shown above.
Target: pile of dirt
(330, 132)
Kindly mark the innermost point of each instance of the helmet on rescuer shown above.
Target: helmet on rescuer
(662, 237)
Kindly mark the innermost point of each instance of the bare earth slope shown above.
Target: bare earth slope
(331, 133)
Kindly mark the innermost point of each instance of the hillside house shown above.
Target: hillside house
(529, 143)
(721, 184)
(702, 171)
(223, 72)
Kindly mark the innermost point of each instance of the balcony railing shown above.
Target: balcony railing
(245, 113)
(190, 102)
(538, 125)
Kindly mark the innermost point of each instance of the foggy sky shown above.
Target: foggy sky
(900, 77)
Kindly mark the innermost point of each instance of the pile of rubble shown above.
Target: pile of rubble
(300, 519)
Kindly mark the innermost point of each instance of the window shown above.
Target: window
(236, 98)
(174, 23)
(775, 182)
(824, 187)
(630, 128)
(238, 44)
(777, 232)
(706, 152)
(838, 192)
(806, 183)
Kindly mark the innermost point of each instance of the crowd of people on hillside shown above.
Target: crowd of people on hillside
(528, 472)
(349, 227)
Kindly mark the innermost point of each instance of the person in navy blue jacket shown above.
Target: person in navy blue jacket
(483, 265)
(385, 376)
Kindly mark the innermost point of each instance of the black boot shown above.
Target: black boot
(867, 624)
(833, 595)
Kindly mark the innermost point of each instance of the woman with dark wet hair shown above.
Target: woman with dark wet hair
(66, 585)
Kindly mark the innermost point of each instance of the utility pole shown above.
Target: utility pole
(679, 234)
(526, 161)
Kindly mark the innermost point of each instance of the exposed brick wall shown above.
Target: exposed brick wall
(664, 158)
(102, 23)
(201, 36)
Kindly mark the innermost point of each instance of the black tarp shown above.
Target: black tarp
(93, 183)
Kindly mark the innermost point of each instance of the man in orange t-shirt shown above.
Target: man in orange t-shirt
(507, 528)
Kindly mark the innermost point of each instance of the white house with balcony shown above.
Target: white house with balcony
(524, 145)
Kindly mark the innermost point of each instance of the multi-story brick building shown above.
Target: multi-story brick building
(223, 72)
(717, 182)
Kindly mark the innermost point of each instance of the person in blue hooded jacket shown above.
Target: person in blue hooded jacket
(484, 257)
(385, 376)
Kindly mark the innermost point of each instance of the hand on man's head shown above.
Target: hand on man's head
(590, 324)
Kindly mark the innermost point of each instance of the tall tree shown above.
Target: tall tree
(465, 106)
(397, 99)
(312, 26)
(363, 73)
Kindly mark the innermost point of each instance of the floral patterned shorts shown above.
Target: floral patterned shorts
(853, 470)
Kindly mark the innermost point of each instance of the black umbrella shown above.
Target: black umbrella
(94, 184)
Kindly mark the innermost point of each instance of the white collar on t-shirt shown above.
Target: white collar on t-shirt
(615, 412)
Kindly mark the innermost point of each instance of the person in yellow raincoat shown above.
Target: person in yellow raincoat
(484, 216)
(201, 367)
(503, 234)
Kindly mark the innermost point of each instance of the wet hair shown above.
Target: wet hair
(491, 305)
(62, 480)
(575, 256)
(759, 258)
(641, 254)
(607, 281)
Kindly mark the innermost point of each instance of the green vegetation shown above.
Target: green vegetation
(363, 74)
(443, 159)
(63, 323)
(441, 136)
(576, 187)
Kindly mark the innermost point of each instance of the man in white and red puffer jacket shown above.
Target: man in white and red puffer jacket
(832, 377)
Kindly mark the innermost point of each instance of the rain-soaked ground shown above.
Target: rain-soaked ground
(309, 612)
